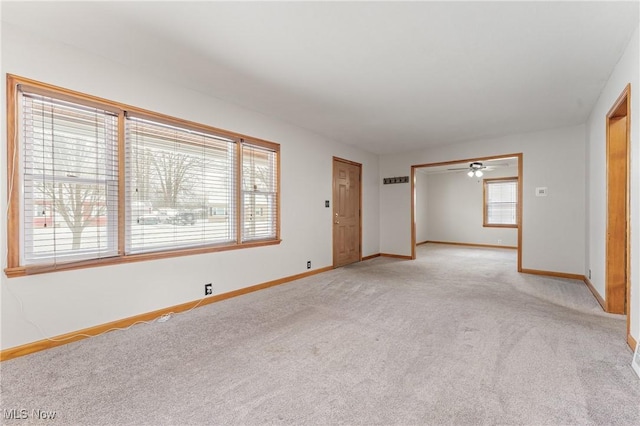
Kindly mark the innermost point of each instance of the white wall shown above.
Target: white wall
(626, 71)
(553, 226)
(455, 209)
(422, 207)
(62, 302)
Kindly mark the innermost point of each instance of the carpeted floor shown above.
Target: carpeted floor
(456, 337)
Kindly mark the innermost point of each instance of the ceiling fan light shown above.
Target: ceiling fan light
(470, 173)
(479, 173)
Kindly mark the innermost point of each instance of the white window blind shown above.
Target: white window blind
(259, 193)
(501, 202)
(70, 180)
(180, 186)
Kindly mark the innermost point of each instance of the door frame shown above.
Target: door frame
(333, 201)
(519, 156)
(620, 108)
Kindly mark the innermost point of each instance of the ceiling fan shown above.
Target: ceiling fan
(475, 168)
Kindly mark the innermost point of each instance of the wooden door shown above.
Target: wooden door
(346, 212)
(617, 216)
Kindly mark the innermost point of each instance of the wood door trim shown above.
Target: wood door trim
(412, 181)
(620, 108)
(520, 158)
(595, 293)
(554, 274)
(631, 342)
(520, 198)
(396, 256)
(623, 100)
(468, 244)
(371, 256)
(467, 160)
(359, 166)
(343, 160)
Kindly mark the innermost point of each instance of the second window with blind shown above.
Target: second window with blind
(500, 203)
(182, 188)
(185, 190)
(87, 189)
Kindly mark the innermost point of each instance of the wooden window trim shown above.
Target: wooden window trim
(14, 183)
(485, 222)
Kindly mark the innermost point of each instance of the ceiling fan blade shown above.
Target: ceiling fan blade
(460, 168)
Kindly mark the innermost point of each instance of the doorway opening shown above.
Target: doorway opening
(617, 275)
(502, 172)
(347, 212)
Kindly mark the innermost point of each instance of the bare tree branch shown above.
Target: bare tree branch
(174, 177)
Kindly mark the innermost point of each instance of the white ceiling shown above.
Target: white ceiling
(383, 76)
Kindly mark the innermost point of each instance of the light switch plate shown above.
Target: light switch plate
(541, 191)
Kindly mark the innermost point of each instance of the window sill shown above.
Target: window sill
(489, 225)
(22, 271)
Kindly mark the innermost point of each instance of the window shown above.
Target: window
(501, 202)
(69, 179)
(93, 181)
(177, 175)
(259, 193)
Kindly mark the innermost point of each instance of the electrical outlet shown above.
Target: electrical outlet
(308, 264)
(589, 273)
(499, 241)
(208, 289)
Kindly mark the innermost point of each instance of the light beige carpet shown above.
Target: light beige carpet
(456, 337)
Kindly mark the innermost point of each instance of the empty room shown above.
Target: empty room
(313, 213)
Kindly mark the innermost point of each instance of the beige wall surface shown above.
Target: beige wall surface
(627, 71)
(67, 301)
(455, 208)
